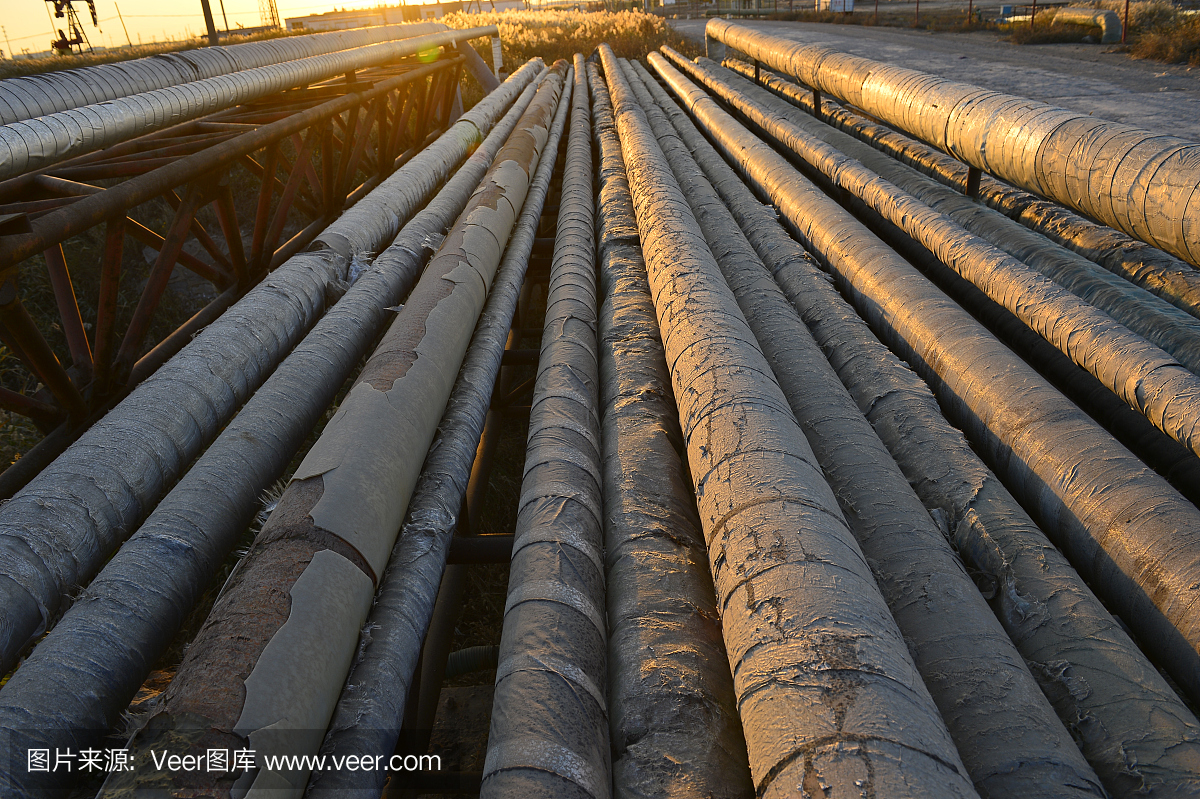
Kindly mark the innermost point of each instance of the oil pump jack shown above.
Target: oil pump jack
(74, 38)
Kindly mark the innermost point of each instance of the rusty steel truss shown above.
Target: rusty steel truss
(307, 153)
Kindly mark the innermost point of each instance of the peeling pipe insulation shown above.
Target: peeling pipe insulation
(38, 95)
(1146, 377)
(1164, 325)
(1145, 184)
(58, 531)
(1129, 533)
(1150, 268)
(1167, 326)
(80, 678)
(827, 691)
(670, 692)
(1130, 724)
(549, 724)
(35, 144)
(370, 710)
(270, 661)
(1010, 740)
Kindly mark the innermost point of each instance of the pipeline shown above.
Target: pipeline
(1130, 725)
(38, 143)
(1108, 21)
(1161, 274)
(372, 705)
(1010, 740)
(50, 92)
(827, 691)
(670, 693)
(58, 531)
(552, 650)
(1080, 484)
(1147, 378)
(1136, 181)
(81, 677)
(1174, 331)
(289, 615)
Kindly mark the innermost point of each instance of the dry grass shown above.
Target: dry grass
(1050, 32)
(1175, 43)
(561, 34)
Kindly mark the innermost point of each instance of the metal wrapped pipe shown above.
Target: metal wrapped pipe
(1164, 325)
(370, 710)
(672, 715)
(74, 686)
(38, 95)
(1143, 183)
(549, 726)
(1010, 740)
(1155, 271)
(826, 688)
(1129, 533)
(40, 142)
(1149, 379)
(1130, 725)
(58, 531)
(1108, 21)
(270, 661)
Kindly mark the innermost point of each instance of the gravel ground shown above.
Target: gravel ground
(1082, 77)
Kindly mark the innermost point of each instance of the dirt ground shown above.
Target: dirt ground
(1083, 77)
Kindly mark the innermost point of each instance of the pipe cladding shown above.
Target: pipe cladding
(1143, 183)
(1130, 724)
(1127, 531)
(74, 686)
(271, 659)
(671, 696)
(827, 691)
(1009, 738)
(61, 528)
(549, 726)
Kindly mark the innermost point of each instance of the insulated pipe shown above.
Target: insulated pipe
(1148, 267)
(1175, 331)
(1131, 726)
(38, 143)
(372, 705)
(826, 688)
(287, 620)
(1168, 457)
(80, 678)
(1010, 740)
(1163, 324)
(1145, 184)
(1128, 532)
(1147, 378)
(549, 725)
(1108, 22)
(38, 95)
(58, 531)
(670, 693)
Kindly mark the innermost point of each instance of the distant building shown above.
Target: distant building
(366, 17)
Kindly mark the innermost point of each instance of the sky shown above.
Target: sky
(27, 24)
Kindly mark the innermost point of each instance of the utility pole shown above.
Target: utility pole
(213, 38)
(6, 41)
(223, 17)
(123, 25)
